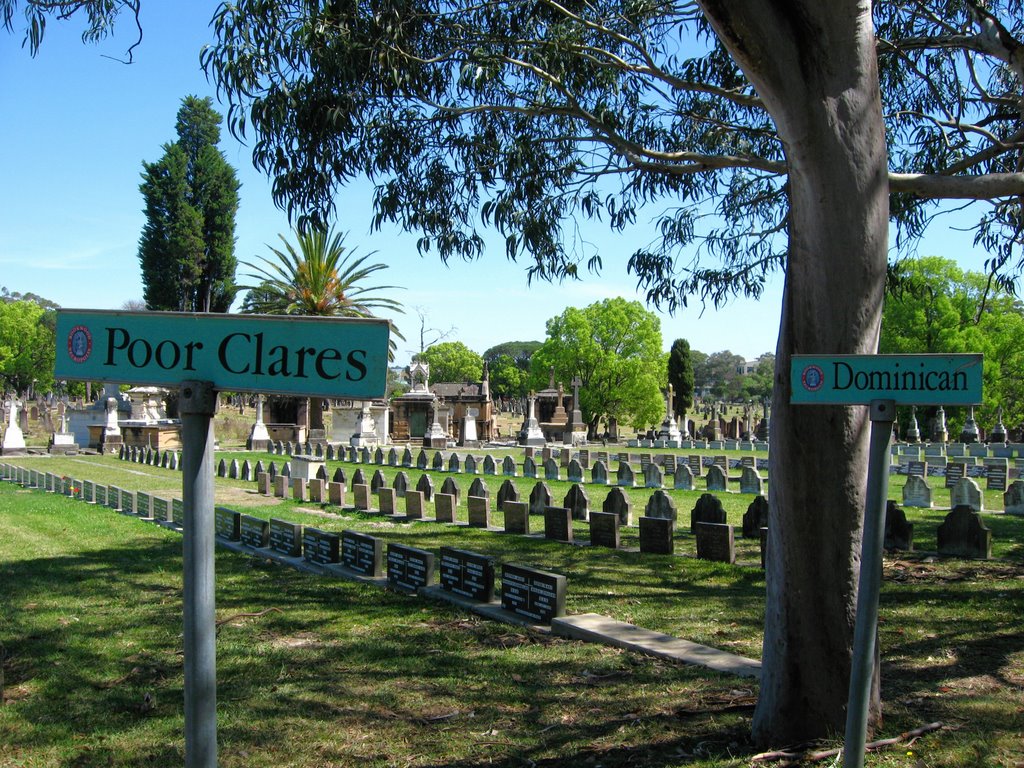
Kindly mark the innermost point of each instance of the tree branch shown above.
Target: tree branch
(939, 187)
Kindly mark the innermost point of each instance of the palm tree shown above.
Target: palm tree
(320, 277)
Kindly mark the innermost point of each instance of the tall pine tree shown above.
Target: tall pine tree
(187, 248)
(680, 376)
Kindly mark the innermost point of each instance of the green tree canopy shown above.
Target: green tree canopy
(937, 307)
(510, 367)
(452, 361)
(27, 345)
(187, 248)
(614, 347)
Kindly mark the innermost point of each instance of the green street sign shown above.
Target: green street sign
(907, 379)
(310, 356)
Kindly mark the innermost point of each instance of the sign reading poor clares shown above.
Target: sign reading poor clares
(316, 356)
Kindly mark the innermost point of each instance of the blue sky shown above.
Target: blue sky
(77, 126)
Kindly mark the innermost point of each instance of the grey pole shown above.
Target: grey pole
(882, 413)
(196, 406)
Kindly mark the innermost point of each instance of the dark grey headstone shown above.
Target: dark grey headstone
(507, 492)
(715, 541)
(577, 502)
(540, 499)
(558, 523)
(425, 486)
(532, 594)
(708, 509)
(963, 534)
(661, 505)
(400, 484)
(604, 530)
(479, 488)
(409, 568)
(450, 487)
(656, 536)
(617, 503)
(755, 518)
(899, 534)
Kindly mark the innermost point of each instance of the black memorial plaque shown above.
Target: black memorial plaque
(286, 537)
(716, 541)
(100, 495)
(362, 554)
(178, 513)
(695, 465)
(227, 524)
(320, 547)
(533, 594)
(954, 471)
(143, 504)
(409, 568)
(468, 574)
(995, 479)
(253, 531)
(128, 502)
(161, 509)
(558, 523)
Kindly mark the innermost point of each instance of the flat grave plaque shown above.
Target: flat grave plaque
(128, 502)
(285, 537)
(361, 553)
(995, 479)
(100, 495)
(227, 524)
(533, 594)
(467, 574)
(253, 531)
(320, 547)
(88, 489)
(178, 513)
(409, 568)
(143, 504)
(604, 529)
(114, 497)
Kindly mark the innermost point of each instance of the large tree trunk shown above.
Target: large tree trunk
(813, 64)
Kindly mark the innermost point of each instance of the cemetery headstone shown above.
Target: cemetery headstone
(285, 537)
(508, 467)
(415, 506)
(320, 547)
(963, 534)
(467, 574)
(660, 505)
(576, 501)
(361, 497)
(507, 492)
(599, 473)
(656, 536)
(624, 477)
(540, 499)
(450, 487)
(967, 493)
(917, 493)
(336, 494)
(617, 503)
(479, 488)
(227, 524)
(529, 467)
(708, 509)
(604, 530)
(557, 524)
(517, 517)
(425, 486)
(750, 481)
(490, 468)
(386, 500)
(444, 508)
(254, 532)
(899, 534)
(479, 511)
(716, 541)
(652, 476)
(531, 593)
(716, 479)
(409, 568)
(682, 478)
(551, 470)
(1013, 499)
(362, 554)
(755, 518)
(400, 484)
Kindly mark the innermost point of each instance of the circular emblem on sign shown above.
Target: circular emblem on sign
(812, 378)
(79, 344)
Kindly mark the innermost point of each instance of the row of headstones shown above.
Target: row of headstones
(527, 592)
(156, 458)
(652, 475)
(140, 503)
(656, 526)
(959, 450)
(962, 532)
(995, 471)
(964, 492)
(489, 465)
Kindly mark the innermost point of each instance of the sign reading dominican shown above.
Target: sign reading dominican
(907, 379)
(318, 356)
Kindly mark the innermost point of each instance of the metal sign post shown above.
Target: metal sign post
(880, 382)
(197, 405)
(201, 354)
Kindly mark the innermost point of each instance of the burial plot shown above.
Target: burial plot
(415, 505)
(467, 574)
(967, 493)
(450, 487)
(540, 499)
(682, 478)
(320, 547)
(617, 503)
(1013, 499)
(479, 488)
(161, 509)
(604, 530)
(715, 541)
(656, 536)
(407, 459)
(917, 493)
(362, 554)
(100, 495)
(955, 470)
(576, 501)
(652, 476)
(128, 502)
(508, 466)
(479, 511)
(755, 518)
(708, 509)
(716, 479)
(557, 524)
(280, 485)
(393, 457)
(227, 524)
(400, 484)
(996, 474)
(751, 482)
(285, 537)
(899, 534)
(444, 508)
(336, 494)
(963, 534)
(425, 486)
(254, 532)
(143, 505)
(517, 517)
(409, 568)
(695, 464)
(531, 593)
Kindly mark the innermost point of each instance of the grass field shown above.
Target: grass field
(335, 673)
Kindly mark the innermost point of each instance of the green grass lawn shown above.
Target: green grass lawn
(340, 673)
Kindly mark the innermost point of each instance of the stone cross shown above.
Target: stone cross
(576, 384)
(669, 401)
